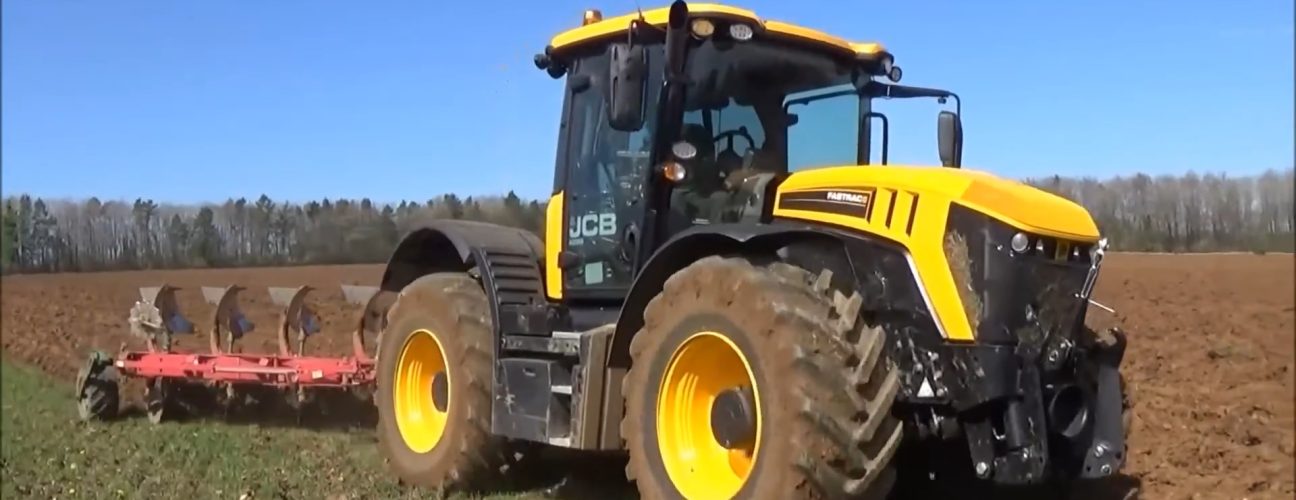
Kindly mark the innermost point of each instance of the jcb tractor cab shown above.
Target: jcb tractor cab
(734, 290)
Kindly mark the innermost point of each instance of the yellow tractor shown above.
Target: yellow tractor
(735, 291)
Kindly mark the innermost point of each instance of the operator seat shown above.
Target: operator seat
(728, 161)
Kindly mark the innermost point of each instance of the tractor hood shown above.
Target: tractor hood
(1014, 203)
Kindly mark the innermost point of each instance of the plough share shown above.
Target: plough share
(157, 319)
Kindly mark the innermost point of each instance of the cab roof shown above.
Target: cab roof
(605, 28)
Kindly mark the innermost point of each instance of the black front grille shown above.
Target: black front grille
(1053, 295)
(1013, 298)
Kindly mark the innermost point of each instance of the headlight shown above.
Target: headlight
(702, 28)
(683, 150)
(1020, 242)
(740, 32)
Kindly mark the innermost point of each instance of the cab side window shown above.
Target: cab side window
(606, 168)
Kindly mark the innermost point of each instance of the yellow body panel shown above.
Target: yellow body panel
(1016, 204)
(658, 17)
(892, 190)
(553, 246)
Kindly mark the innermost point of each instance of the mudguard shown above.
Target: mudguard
(687, 247)
(508, 261)
(450, 245)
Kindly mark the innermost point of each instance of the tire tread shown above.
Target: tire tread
(837, 350)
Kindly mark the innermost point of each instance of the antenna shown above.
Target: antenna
(641, 22)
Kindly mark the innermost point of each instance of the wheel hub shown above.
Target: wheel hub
(733, 418)
(440, 391)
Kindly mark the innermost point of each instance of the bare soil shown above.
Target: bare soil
(1210, 361)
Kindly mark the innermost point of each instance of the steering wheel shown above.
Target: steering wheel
(730, 134)
(728, 159)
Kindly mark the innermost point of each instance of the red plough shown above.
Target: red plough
(156, 319)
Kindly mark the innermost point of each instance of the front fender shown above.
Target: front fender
(753, 240)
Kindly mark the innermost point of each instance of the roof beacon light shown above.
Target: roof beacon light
(591, 16)
(740, 32)
(702, 28)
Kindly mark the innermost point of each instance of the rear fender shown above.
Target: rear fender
(451, 245)
(507, 262)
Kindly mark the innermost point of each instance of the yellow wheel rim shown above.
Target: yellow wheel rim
(421, 360)
(704, 366)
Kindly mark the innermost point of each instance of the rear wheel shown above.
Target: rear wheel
(751, 382)
(434, 386)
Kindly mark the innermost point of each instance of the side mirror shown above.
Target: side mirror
(949, 137)
(628, 68)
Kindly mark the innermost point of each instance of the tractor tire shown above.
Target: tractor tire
(437, 354)
(823, 389)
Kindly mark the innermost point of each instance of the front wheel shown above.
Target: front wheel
(748, 382)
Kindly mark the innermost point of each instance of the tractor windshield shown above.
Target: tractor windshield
(761, 107)
(739, 92)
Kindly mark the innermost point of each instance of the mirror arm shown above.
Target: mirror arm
(958, 103)
(886, 132)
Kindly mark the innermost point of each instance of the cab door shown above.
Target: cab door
(594, 217)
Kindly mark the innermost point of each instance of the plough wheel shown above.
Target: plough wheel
(434, 378)
(97, 393)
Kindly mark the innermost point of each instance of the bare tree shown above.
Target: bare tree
(1210, 212)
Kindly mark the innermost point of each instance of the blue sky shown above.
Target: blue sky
(199, 101)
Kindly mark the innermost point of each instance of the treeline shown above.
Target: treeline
(1187, 213)
(94, 235)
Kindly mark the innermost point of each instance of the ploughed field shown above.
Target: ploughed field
(1210, 361)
